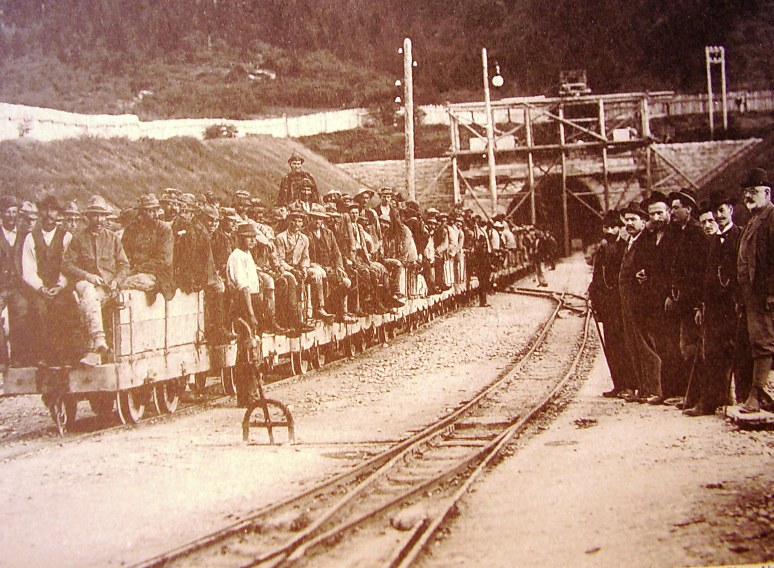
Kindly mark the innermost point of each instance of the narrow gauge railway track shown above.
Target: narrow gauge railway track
(32, 440)
(344, 521)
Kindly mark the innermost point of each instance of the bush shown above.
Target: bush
(220, 131)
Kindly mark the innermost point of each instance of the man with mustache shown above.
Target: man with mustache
(755, 272)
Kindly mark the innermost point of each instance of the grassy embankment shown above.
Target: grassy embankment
(122, 170)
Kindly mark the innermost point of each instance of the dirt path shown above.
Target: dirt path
(127, 495)
(644, 486)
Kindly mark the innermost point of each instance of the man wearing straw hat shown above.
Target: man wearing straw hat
(97, 264)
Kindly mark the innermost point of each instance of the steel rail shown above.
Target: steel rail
(405, 555)
(369, 470)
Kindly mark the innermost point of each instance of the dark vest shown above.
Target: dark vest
(49, 257)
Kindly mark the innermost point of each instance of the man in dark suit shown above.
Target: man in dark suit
(97, 265)
(717, 313)
(644, 360)
(22, 334)
(686, 270)
(606, 302)
(755, 272)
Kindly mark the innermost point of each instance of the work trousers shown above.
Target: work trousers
(21, 332)
(640, 344)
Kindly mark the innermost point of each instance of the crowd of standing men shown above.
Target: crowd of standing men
(686, 299)
(60, 263)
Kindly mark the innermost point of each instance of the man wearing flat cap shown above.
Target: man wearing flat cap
(755, 274)
(42, 253)
(96, 264)
(291, 184)
(605, 299)
(149, 246)
(686, 270)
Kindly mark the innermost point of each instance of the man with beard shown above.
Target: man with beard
(717, 314)
(97, 264)
(755, 273)
(606, 302)
(291, 184)
(149, 246)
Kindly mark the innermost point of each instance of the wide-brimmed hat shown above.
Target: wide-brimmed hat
(431, 212)
(365, 193)
(296, 213)
(333, 193)
(385, 220)
(295, 157)
(635, 208)
(686, 196)
(188, 200)
(318, 211)
(8, 201)
(754, 178)
(96, 205)
(71, 210)
(148, 201)
(29, 209)
(331, 211)
(242, 194)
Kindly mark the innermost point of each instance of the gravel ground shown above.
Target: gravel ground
(123, 496)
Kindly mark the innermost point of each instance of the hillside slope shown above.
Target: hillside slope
(121, 170)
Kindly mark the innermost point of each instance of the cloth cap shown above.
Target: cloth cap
(29, 209)
(247, 230)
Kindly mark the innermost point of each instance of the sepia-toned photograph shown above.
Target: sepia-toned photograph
(379, 284)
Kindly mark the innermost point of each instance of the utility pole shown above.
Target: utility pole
(716, 54)
(408, 105)
(489, 134)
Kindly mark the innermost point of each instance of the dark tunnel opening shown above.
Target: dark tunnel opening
(584, 224)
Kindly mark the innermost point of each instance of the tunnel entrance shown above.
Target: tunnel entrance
(584, 218)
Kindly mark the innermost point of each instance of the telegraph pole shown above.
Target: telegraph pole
(489, 135)
(408, 105)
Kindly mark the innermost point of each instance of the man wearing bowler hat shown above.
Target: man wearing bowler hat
(97, 266)
(755, 273)
(645, 361)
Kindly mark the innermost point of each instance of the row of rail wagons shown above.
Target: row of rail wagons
(159, 347)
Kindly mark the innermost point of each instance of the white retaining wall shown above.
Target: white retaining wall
(19, 121)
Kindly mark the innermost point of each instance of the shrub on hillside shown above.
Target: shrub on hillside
(222, 130)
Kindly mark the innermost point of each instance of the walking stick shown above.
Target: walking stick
(599, 330)
(699, 351)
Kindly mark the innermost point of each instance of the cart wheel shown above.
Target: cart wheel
(131, 404)
(299, 363)
(62, 411)
(102, 404)
(319, 356)
(166, 396)
(227, 380)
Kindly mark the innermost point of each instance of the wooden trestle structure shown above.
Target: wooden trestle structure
(603, 141)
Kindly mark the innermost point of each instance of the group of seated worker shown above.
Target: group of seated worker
(66, 264)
